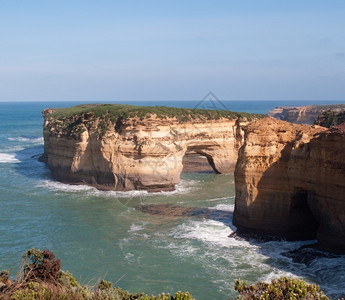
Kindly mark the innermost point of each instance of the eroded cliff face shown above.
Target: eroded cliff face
(136, 153)
(290, 182)
(307, 114)
(299, 115)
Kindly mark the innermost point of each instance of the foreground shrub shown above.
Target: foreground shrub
(282, 288)
(40, 265)
(41, 278)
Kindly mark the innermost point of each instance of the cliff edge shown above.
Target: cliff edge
(290, 182)
(124, 147)
(303, 114)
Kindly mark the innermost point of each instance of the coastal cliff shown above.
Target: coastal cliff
(303, 114)
(123, 147)
(290, 182)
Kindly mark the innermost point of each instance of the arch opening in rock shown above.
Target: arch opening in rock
(194, 162)
(301, 219)
(197, 160)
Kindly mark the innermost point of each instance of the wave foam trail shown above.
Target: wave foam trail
(210, 232)
(13, 149)
(34, 140)
(136, 227)
(62, 187)
(92, 191)
(8, 158)
(224, 207)
(184, 187)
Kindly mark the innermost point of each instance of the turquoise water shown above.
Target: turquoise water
(181, 246)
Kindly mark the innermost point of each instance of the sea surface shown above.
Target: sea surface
(108, 234)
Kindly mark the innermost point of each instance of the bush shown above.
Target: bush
(40, 265)
(283, 288)
(42, 279)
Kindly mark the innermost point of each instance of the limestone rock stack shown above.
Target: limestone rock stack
(136, 153)
(290, 182)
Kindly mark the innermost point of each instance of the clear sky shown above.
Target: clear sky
(105, 50)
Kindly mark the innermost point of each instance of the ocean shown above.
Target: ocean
(108, 235)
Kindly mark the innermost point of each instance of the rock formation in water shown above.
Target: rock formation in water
(303, 114)
(290, 182)
(122, 147)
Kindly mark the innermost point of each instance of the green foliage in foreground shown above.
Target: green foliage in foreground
(123, 111)
(41, 279)
(283, 288)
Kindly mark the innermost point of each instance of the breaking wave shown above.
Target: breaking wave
(33, 140)
(8, 158)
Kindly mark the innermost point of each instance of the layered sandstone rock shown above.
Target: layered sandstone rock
(302, 114)
(136, 153)
(290, 182)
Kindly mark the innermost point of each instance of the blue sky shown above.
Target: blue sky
(172, 50)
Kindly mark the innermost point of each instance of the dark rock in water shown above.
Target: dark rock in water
(175, 211)
(241, 235)
(307, 254)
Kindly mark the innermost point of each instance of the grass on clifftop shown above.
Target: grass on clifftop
(124, 111)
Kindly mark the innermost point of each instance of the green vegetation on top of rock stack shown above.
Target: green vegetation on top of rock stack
(330, 118)
(124, 111)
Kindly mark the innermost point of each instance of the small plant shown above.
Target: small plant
(4, 276)
(104, 285)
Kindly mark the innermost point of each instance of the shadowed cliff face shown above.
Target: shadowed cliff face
(136, 153)
(290, 182)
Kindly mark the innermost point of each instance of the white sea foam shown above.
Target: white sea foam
(34, 140)
(89, 190)
(224, 207)
(136, 227)
(62, 187)
(220, 199)
(8, 158)
(209, 232)
(129, 257)
(13, 149)
(182, 188)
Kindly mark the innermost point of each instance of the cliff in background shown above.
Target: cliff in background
(290, 182)
(331, 118)
(303, 114)
(123, 147)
